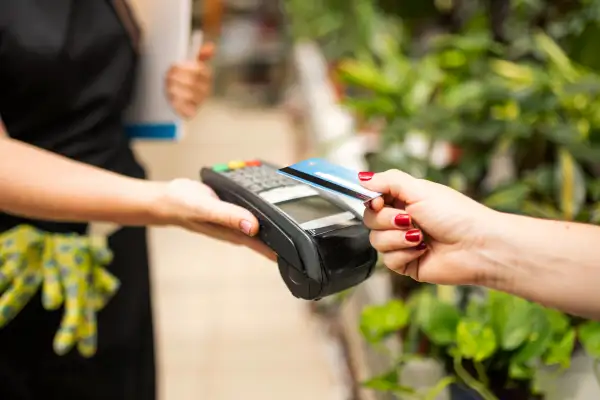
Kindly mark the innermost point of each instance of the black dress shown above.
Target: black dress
(66, 75)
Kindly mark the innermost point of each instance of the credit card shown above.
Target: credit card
(324, 175)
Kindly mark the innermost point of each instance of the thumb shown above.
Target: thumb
(230, 216)
(206, 52)
(396, 183)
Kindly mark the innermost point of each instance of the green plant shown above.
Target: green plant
(341, 27)
(525, 110)
(496, 332)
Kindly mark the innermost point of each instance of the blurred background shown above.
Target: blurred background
(498, 99)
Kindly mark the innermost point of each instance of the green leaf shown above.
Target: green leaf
(379, 321)
(509, 198)
(516, 73)
(365, 75)
(387, 382)
(570, 184)
(463, 94)
(559, 322)
(510, 319)
(560, 351)
(589, 335)
(440, 322)
(539, 338)
(475, 340)
(557, 56)
(519, 371)
(371, 107)
(517, 326)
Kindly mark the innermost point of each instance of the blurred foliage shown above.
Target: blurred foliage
(496, 333)
(498, 99)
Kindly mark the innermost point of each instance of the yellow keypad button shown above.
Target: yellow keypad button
(236, 164)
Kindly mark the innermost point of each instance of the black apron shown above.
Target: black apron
(66, 76)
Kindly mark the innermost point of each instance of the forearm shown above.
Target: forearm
(550, 262)
(39, 184)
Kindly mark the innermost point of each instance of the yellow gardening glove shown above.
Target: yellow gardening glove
(74, 277)
(19, 274)
(71, 269)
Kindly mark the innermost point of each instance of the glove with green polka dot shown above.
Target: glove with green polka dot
(70, 269)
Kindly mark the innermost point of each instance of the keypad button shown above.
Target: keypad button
(236, 164)
(220, 168)
(255, 188)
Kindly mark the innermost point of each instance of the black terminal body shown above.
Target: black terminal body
(322, 246)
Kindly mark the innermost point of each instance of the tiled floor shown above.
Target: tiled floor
(227, 327)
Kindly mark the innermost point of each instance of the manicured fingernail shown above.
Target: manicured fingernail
(413, 236)
(246, 226)
(365, 176)
(421, 246)
(402, 220)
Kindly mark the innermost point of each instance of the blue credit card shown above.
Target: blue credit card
(333, 178)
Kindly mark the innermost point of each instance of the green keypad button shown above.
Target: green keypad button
(220, 168)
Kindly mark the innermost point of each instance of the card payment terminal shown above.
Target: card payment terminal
(322, 245)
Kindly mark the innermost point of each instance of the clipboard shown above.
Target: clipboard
(166, 27)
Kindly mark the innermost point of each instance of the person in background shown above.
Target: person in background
(554, 263)
(67, 71)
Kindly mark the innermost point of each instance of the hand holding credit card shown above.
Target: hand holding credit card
(324, 175)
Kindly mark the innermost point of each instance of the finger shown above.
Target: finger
(387, 218)
(187, 110)
(207, 51)
(14, 244)
(19, 294)
(12, 267)
(392, 240)
(236, 238)
(396, 183)
(181, 94)
(65, 337)
(52, 296)
(101, 255)
(228, 215)
(194, 94)
(106, 286)
(88, 336)
(86, 332)
(25, 285)
(376, 204)
(404, 262)
(189, 74)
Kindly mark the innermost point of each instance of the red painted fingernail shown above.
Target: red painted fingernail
(421, 246)
(402, 220)
(365, 176)
(413, 236)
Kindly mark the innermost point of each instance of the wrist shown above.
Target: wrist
(157, 209)
(498, 259)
